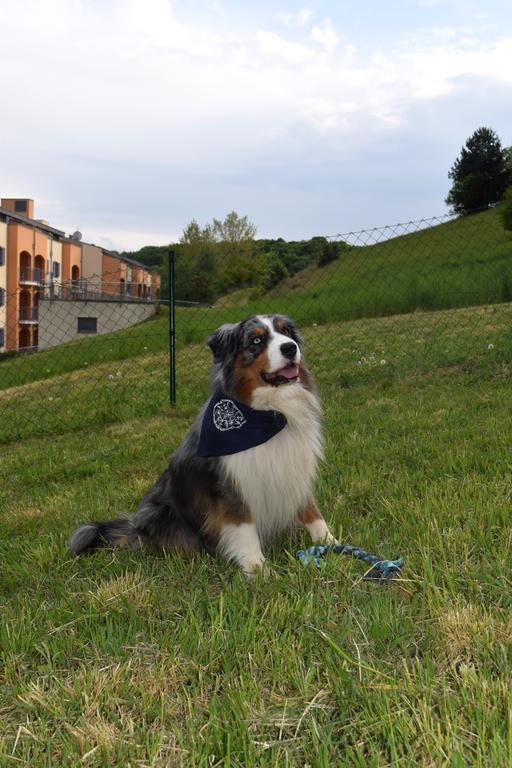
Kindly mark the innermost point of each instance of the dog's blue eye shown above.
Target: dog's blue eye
(256, 340)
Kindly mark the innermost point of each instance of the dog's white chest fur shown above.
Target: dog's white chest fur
(276, 479)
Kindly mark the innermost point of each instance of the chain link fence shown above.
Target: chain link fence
(428, 294)
(79, 354)
(402, 299)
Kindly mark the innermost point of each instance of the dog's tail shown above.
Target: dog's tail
(112, 533)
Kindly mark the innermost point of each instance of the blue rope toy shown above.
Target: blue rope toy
(379, 570)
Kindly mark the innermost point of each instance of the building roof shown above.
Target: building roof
(30, 222)
(135, 263)
(117, 255)
(47, 228)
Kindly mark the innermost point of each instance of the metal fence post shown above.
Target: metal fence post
(172, 330)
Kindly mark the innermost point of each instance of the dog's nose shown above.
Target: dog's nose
(289, 350)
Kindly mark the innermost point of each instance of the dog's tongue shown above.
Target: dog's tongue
(290, 372)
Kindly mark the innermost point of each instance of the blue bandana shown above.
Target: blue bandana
(229, 427)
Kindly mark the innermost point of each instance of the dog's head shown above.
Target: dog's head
(262, 351)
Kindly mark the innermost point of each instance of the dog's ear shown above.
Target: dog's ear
(223, 342)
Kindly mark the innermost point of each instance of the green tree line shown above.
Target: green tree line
(224, 256)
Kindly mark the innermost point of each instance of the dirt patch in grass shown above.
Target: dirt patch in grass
(470, 632)
(132, 587)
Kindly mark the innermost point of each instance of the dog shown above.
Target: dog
(245, 471)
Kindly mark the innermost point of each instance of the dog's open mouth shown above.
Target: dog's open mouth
(286, 375)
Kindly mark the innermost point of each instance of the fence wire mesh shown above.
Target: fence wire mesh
(388, 301)
(79, 354)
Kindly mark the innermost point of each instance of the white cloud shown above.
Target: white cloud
(217, 8)
(436, 70)
(133, 104)
(132, 80)
(300, 18)
(126, 239)
(325, 35)
(272, 44)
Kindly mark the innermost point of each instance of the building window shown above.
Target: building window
(87, 325)
(56, 269)
(20, 206)
(2, 256)
(2, 297)
(2, 337)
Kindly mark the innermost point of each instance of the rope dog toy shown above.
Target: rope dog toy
(379, 570)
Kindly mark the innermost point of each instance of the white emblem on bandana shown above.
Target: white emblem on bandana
(227, 416)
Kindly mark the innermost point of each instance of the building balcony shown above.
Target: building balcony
(29, 315)
(31, 277)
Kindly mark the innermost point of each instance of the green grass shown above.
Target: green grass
(466, 261)
(149, 336)
(145, 660)
(134, 383)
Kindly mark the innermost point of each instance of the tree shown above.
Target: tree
(195, 265)
(480, 174)
(508, 162)
(330, 252)
(238, 262)
(151, 255)
(273, 272)
(234, 228)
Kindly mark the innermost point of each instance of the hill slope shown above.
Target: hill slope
(464, 262)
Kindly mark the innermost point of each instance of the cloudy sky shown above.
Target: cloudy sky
(128, 118)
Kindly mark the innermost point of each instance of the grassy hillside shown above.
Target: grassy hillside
(467, 261)
(462, 263)
(134, 659)
(114, 379)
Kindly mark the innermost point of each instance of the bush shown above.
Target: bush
(274, 272)
(505, 209)
(330, 252)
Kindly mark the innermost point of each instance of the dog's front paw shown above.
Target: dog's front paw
(255, 567)
(320, 534)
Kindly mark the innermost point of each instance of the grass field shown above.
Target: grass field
(145, 660)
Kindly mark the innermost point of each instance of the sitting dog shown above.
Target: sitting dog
(246, 469)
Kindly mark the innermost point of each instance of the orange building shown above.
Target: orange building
(38, 261)
(121, 277)
(32, 257)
